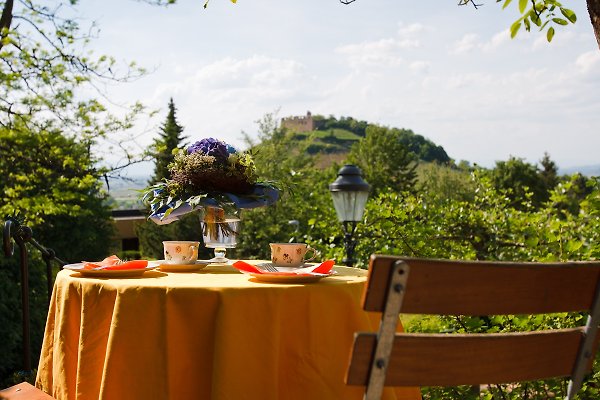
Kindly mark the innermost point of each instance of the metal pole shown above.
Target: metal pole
(25, 304)
(13, 231)
(349, 228)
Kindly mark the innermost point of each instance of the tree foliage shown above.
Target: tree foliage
(386, 163)
(50, 180)
(548, 172)
(519, 178)
(528, 184)
(424, 148)
(11, 345)
(347, 123)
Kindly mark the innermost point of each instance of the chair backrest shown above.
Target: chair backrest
(449, 287)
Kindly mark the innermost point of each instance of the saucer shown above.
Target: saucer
(197, 265)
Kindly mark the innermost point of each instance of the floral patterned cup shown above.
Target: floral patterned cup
(180, 252)
(291, 254)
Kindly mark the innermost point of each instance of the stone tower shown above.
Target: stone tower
(299, 124)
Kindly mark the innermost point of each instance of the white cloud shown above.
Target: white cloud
(562, 38)
(238, 73)
(386, 52)
(383, 52)
(411, 29)
(420, 66)
(589, 61)
(496, 41)
(472, 41)
(467, 43)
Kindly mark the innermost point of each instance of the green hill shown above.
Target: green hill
(336, 136)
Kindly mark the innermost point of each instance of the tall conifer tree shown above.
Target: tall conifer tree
(170, 138)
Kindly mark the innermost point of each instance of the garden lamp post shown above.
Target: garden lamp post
(350, 193)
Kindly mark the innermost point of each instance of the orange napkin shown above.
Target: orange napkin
(114, 262)
(323, 268)
(244, 266)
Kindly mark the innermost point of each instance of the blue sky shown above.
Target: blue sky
(449, 73)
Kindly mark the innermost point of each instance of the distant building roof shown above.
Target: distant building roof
(120, 215)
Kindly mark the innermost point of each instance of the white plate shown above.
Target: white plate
(289, 277)
(105, 273)
(199, 264)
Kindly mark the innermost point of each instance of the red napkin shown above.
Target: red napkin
(244, 266)
(323, 268)
(113, 262)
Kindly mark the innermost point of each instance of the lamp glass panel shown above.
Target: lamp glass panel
(349, 206)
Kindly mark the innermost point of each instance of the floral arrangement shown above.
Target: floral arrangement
(209, 172)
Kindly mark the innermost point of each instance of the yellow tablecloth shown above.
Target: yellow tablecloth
(211, 334)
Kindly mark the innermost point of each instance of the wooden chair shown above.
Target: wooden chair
(24, 391)
(425, 286)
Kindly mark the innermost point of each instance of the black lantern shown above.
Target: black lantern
(350, 193)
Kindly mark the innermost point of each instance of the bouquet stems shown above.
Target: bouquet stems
(216, 226)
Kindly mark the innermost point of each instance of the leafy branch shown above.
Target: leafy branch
(541, 13)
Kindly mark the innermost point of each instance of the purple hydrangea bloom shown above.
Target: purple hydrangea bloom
(210, 147)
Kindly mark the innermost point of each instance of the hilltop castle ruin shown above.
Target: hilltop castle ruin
(299, 124)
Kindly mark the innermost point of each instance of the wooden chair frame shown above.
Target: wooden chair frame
(443, 287)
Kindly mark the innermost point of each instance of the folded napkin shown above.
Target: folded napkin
(323, 268)
(114, 262)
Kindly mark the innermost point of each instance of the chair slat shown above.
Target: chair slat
(450, 360)
(481, 288)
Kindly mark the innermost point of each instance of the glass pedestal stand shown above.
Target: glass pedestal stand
(219, 232)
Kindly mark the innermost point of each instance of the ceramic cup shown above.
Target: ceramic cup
(181, 252)
(291, 254)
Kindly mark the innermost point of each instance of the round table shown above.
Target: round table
(210, 334)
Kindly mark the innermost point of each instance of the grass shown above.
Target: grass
(338, 134)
